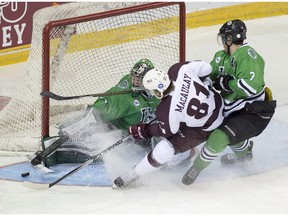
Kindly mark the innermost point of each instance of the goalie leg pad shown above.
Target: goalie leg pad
(80, 125)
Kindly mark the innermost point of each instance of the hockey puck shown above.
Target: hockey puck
(25, 174)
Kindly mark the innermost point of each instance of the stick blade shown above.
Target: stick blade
(35, 186)
(54, 96)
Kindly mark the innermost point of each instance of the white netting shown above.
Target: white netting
(85, 58)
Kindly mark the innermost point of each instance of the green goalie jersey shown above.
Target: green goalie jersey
(126, 109)
(247, 68)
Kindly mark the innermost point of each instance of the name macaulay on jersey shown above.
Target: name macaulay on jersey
(192, 102)
(184, 93)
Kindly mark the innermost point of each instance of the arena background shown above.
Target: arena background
(16, 21)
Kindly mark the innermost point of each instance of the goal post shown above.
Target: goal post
(85, 48)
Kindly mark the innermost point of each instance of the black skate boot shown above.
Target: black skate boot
(190, 176)
(231, 158)
(125, 181)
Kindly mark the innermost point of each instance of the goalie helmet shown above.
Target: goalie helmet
(235, 30)
(139, 70)
(157, 82)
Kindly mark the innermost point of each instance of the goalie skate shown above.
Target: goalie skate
(42, 168)
(231, 158)
(51, 144)
(37, 163)
(36, 159)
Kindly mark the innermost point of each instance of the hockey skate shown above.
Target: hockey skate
(38, 158)
(50, 145)
(231, 158)
(125, 181)
(36, 161)
(190, 176)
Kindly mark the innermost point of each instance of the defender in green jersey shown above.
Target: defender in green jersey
(238, 73)
(115, 111)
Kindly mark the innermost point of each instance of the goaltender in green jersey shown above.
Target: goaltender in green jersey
(115, 111)
(125, 110)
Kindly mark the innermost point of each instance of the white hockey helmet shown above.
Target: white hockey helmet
(156, 81)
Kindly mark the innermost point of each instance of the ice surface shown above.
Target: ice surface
(260, 187)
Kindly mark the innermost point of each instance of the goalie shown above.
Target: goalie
(108, 114)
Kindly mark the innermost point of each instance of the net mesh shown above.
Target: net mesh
(86, 57)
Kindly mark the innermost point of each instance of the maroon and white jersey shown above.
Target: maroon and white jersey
(191, 102)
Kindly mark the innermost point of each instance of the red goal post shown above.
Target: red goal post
(85, 48)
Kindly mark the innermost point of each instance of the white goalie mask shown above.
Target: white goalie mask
(156, 81)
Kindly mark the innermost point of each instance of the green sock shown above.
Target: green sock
(238, 153)
(215, 144)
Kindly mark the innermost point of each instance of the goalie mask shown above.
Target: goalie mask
(139, 70)
(232, 32)
(157, 82)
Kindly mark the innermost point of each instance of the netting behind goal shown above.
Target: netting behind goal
(85, 48)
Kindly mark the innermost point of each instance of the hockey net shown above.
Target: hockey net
(85, 48)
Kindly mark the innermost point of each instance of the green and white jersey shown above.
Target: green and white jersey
(126, 109)
(247, 68)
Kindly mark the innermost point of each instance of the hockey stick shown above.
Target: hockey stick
(38, 157)
(59, 97)
(37, 186)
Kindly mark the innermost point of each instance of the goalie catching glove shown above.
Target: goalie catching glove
(138, 131)
(222, 83)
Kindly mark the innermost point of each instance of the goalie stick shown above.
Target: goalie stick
(37, 158)
(59, 97)
(37, 186)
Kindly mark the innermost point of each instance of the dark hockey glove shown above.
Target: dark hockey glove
(221, 83)
(138, 131)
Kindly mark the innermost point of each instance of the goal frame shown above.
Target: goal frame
(70, 21)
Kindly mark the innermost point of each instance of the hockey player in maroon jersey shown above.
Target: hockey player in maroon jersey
(187, 114)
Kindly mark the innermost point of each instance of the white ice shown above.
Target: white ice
(260, 187)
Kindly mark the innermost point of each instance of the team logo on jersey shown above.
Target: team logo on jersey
(221, 70)
(218, 59)
(252, 53)
(124, 84)
(147, 114)
(136, 103)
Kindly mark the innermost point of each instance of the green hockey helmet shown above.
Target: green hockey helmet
(139, 70)
(234, 30)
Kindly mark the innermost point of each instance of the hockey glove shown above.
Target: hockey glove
(138, 131)
(221, 83)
